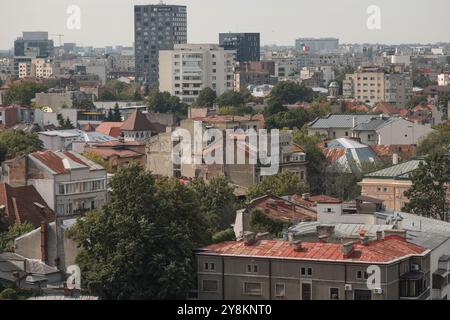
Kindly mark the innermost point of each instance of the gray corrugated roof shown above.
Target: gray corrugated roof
(339, 121)
(374, 124)
(399, 171)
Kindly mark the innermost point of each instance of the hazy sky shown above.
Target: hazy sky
(110, 22)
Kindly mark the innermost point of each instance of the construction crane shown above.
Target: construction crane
(60, 38)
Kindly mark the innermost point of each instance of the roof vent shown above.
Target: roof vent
(249, 238)
(347, 249)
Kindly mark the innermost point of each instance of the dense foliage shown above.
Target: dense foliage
(282, 184)
(428, 194)
(18, 143)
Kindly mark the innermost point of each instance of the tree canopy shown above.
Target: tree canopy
(24, 92)
(281, 184)
(19, 143)
(139, 246)
(289, 92)
(428, 195)
(435, 142)
(206, 98)
(163, 102)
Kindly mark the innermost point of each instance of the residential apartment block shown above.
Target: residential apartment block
(68, 182)
(281, 270)
(189, 68)
(317, 45)
(374, 84)
(156, 27)
(36, 68)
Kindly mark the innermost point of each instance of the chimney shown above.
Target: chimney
(323, 238)
(297, 246)
(44, 236)
(379, 235)
(306, 196)
(263, 236)
(249, 238)
(395, 158)
(325, 231)
(354, 122)
(347, 249)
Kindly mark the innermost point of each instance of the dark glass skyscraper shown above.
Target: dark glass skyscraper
(247, 45)
(31, 45)
(156, 27)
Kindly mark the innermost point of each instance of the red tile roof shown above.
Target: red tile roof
(22, 204)
(88, 128)
(110, 128)
(55, 162)
(137, 122)
(376, 251)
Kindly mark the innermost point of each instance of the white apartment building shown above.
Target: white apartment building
(189, 68)
(374, 84)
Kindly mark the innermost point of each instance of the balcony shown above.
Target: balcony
(413, 286)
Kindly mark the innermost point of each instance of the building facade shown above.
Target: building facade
(189, 68)
(246, 45)
(374, 84)
(256, 269)
(68, 182)
(156, 27)
(317, 45)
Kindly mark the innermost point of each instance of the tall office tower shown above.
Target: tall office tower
(30, 46)
(247, 45)
(156, 27)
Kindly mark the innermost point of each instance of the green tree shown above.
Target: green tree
(139, 246)
(289, 92)
(98, 159)
(416, 100)
(8, 294)
(442, 104)
(116, 116)
(68, 124)
(274, 106)
(429, 191)
(19, 143)
(206, 97)
(163, 102)
(259, 222)
(3, 152)
(14, 231)
(281, 184)
(109, 116)
(435, 142)
(225, 235)
(216, 203)
(317, 162)
(24, 92)
(231, 99)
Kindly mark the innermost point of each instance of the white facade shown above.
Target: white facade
(443, 79)
(189, 68)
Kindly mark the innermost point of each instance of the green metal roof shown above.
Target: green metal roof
(398, 171)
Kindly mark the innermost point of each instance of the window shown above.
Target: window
(280, 290)
(306, 271)
(334, 293)
(359, 275)
(210, 285)
(252, 288)
(252, 268)
(209, 266)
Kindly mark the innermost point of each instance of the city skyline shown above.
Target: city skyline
(420, 23)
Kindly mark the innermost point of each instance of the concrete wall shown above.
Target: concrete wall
(402, 132)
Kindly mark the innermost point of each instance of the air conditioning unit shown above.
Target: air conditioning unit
(415, 267)
(348, 287)
(377, 291)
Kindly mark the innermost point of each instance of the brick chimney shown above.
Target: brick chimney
(297, 246)
(347, 249)
(379, 235)
(44, 238)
